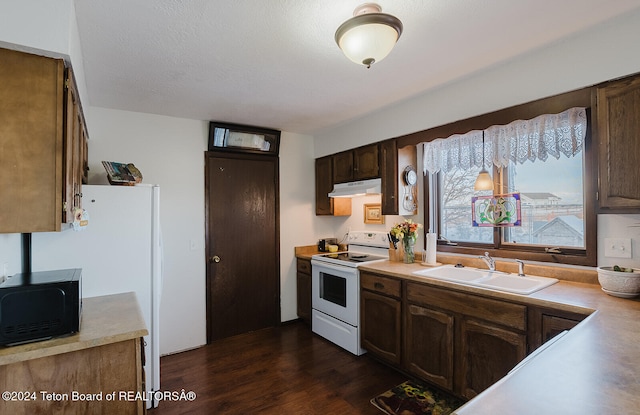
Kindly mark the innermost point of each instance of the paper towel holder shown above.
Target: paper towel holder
(429, 257)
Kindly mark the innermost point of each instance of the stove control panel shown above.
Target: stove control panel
(374, 239)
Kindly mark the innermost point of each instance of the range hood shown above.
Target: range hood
(360, 188)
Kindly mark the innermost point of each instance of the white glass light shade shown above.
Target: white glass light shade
(484, 181)
(368, 43)
(369, 36)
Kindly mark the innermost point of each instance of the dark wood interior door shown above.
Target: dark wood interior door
(243, 256)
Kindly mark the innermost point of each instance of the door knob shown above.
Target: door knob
(214, 258)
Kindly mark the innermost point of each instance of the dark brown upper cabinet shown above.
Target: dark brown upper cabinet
(382, 160)
(357, 164)
(325, 205)
(618, 129)
(389, 176)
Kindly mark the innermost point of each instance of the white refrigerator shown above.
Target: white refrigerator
(119, 251)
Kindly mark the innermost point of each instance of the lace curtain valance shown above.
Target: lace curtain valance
(538, 138)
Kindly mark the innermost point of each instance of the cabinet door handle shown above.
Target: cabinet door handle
(378, 286)
(215, 259)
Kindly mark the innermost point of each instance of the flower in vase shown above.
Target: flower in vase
(407, 229)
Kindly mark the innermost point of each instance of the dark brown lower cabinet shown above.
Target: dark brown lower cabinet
(545, 324)
(381, 317)
(459, 341)
(553, 325)
(303, 289)
(487, 353)
(429, 345)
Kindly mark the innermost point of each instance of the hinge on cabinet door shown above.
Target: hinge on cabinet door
(66, 83)
(597, 195)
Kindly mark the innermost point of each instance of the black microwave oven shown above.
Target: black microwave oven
(40, 305)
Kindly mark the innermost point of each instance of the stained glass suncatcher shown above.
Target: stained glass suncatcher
(496, 210)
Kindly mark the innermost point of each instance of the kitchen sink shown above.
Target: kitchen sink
(494, 280)
(519, 285)
(455, 274)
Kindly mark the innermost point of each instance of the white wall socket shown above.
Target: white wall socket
(617, 247)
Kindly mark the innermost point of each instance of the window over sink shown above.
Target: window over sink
(552, 203)
(558, 209)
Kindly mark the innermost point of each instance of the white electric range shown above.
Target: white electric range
(335, 289)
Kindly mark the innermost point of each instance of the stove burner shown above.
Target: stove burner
(349, 257)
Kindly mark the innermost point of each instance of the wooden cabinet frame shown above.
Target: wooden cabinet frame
(44, 144)
(462, 342)
(618, 130)
(358, 164)
(483, 338)
(389, 176)
(428, 359)
(544, 323)
(378, 160)
(303, 289)
(326, 205)
(381, 317)
(486, 354)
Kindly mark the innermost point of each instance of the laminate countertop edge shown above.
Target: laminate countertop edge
(105, 320)
(306, 252)
(592, 369)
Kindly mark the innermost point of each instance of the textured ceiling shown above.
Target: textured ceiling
(274, 63)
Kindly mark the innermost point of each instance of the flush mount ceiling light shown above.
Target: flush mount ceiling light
(369, 35)
(483, 181)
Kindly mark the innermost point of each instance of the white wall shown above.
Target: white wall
(169, 152)
(605, 52)
(619, 226)
(10, 254)
(37, 24)
(298, 223)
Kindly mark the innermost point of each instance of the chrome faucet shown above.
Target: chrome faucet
(520, 267)
(491, 263)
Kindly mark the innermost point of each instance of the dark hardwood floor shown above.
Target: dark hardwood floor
(284, 370)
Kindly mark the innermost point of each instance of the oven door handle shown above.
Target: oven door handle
(332, 267)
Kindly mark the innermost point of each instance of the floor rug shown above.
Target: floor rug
(411, 398)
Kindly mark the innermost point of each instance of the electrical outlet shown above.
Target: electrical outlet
(617, 247)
